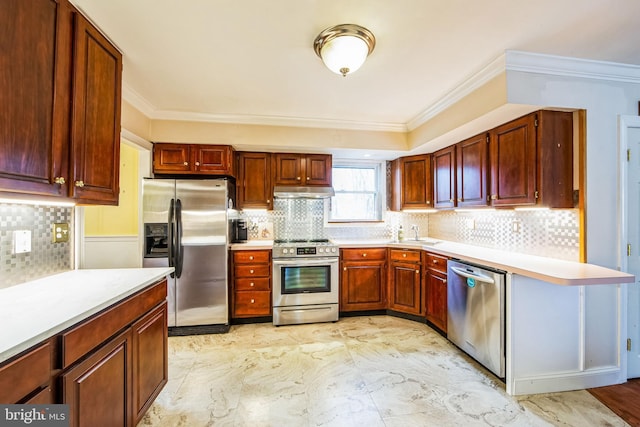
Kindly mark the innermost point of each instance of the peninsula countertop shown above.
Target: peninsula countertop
(37, 310)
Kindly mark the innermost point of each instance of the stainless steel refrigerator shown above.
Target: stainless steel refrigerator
(186, 226)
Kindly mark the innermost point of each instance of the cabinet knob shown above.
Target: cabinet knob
(344, 268)
(308, 179)
(252, 284)
(197, 163)
(459, 200)
(186, 163)
(404, 255)
(251, 271)
(417, 271)
(79, 183)
(364, 254)
(252, 301)
(59, 180)
(444, 281)
(298, 178)
(251, 257)
(451, 200)
(494, 196)
(435, 261)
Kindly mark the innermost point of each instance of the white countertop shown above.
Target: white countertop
(559, 272)
(252, 245)
(33, 311)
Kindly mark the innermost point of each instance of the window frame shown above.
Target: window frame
(380, 168)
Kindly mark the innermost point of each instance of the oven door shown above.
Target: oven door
(305, 281)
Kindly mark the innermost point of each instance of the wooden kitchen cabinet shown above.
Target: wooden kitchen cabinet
(444, 177)
(532, 161)
(193, 159)
(255, 189)
(411, 183)
(472, 171)
(405, 281)
(251, 283)
(61, 91)
(436, 290)
(302, 169)
(363, 279)
(27, 376)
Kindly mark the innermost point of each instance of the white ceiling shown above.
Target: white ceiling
(252, 61)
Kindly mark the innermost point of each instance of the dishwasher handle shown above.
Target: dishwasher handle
(468, 275)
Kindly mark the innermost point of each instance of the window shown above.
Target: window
(359, 188)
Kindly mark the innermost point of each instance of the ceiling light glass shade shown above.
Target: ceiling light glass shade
(344, 48)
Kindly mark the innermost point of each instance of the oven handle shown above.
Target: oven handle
(304, 262)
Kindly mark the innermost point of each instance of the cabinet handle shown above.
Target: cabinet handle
(251, 271)
(252, 301)
(59, 180)
(79, 183)
(250, 257)
(197, 163)
(251, 284)
(186, 163)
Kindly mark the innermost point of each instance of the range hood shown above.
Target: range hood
(297, 192)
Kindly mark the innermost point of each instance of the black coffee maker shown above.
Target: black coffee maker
(239, 231)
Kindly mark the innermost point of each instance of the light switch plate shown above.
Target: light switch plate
(60, 232)
(21, 241)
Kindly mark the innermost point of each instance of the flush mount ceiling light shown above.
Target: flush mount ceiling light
(344, 48)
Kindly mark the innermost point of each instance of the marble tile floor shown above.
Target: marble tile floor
(361, 371)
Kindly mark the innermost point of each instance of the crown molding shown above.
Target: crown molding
(146, 108)
(468, 86)
(571, 67)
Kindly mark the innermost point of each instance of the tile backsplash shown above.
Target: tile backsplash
(45, 258)
(551, 233)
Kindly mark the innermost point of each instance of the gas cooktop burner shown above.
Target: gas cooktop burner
(301, 241)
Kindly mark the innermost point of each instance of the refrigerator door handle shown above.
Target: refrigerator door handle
(179, 247)
(171, 236)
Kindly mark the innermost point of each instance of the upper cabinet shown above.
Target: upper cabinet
(193, 159)
(61, 89)
(254, 180)
(411, 186)
(532, 161)
(302, 169)
(472, 171)
(444, 177)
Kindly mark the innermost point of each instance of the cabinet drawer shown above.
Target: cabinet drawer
(253, 284)
(251, 256)
(25, 374)
(252, 303)
(251, 270)
(80, 340)
(437, 262)
(404, 255)
(358, 254)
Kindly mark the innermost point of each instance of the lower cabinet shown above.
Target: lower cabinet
(436, 290)
(405, 281)
(98, 389)
(251, 284)
(363, 279)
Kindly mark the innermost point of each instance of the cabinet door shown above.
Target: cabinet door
(98, 389)
(213, 159)
(95, 139)
(288, 169)
(415, 181)
(317, 168)
(254, 179)
(404, 287)
(150, 362)
(436, 299)
(34, 92)
(513, 163)
(444, 177)
(171, 158)
(472, 171)
(362, 286)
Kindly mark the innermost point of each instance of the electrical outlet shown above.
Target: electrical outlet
(516, 226)
(21, 241)
(60, 232)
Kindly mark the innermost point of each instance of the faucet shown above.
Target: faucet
(414, 228)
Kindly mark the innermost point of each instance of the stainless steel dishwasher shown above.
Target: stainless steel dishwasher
(476, 313)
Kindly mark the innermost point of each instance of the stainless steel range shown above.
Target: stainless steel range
(305, 282)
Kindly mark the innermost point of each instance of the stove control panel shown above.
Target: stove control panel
(289, 251)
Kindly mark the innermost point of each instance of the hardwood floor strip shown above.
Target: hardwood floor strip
(623, 399)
